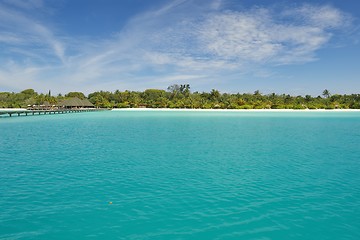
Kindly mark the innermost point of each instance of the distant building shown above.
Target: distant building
(44, 106)
(75, 103)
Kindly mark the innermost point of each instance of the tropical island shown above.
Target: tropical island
(180, 96)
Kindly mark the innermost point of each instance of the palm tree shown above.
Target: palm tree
(215, 94)
(326, 93)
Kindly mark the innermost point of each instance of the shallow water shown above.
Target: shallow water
(180, 175)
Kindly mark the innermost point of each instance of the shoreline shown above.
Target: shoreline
(12, 109)
(233, 110)
(205, 110)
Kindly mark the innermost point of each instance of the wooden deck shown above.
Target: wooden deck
(26, 112)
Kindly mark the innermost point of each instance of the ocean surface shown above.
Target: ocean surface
(180, 175)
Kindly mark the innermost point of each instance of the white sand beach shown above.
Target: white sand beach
(12, 109)
(235, 110)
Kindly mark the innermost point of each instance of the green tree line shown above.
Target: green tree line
(180, 96)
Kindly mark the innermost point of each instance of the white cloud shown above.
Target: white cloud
(259, 35)
(238, 37)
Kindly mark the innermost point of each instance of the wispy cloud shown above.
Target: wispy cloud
(183, 40)
(8, 37)
(18, 28)
(322, 16)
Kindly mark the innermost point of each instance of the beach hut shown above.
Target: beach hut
(75, 102)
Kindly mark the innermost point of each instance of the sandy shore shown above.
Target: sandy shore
(209, 110)
(235, 110)
(12, 109)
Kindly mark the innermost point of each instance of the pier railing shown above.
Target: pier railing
(30, 112)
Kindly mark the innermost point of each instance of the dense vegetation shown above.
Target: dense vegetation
(180, 96)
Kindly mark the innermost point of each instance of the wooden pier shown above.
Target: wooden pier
(26, 112)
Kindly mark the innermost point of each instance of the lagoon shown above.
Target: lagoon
(181, 175)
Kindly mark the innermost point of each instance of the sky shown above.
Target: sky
(295, 47)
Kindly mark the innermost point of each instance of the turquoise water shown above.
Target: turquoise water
(180, 175)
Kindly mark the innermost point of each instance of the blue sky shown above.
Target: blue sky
(296, 47)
